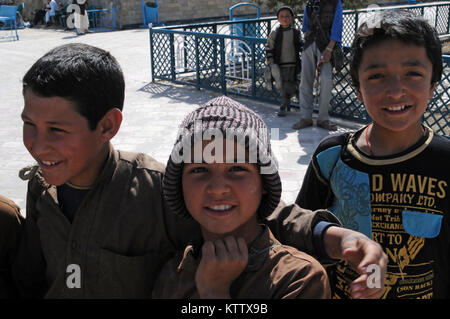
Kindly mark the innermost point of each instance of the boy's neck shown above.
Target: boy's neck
(249, 231)
(379, 141)
(96, 169)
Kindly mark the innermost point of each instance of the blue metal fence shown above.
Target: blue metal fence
(102, 19)
(207, 56)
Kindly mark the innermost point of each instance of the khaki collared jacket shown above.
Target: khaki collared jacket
(121, 234)
(10, 227)
(274, 271)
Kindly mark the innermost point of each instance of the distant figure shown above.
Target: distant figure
(283, 54)
(81, 17)
(50, 11)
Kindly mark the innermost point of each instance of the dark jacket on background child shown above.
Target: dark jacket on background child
(10, 227)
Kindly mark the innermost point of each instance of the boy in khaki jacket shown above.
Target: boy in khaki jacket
(229, 192)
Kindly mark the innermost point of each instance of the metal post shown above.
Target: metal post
(253, 69)
(222, 66)
(151, 55)
(197, 63)
(172, 57)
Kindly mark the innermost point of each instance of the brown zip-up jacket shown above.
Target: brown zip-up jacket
(273, 271)
(10, 227)
(121, 234)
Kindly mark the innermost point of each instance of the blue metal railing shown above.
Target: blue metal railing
(102, 19)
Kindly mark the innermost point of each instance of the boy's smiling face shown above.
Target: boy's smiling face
(60, 140)
(285, 18)
(395, 84)
(223, 197)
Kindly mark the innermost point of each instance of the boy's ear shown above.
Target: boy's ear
(432, 88)
(110, 123)
(359, 95)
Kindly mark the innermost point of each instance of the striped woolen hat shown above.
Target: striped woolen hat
(224, 116)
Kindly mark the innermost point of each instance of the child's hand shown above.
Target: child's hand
(222, 262)
(361, 253)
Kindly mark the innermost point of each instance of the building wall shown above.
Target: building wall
(129, 13)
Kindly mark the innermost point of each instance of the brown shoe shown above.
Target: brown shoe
(302, 124)
(328, 125)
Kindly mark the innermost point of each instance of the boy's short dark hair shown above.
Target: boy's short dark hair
(86, 75)
(397, 25)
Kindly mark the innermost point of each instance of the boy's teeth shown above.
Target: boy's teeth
(49, 163)
(220, 207)
(396, 108)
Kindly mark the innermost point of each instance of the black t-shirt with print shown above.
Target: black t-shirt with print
(401, 202)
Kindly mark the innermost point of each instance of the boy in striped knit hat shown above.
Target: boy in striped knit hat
(222, 173)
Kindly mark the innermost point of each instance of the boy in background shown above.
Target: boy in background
(390, 179)
(283, 55)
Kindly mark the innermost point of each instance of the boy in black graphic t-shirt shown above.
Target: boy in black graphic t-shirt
(390, 180)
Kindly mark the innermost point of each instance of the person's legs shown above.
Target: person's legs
(276, 74)
(326, 86)
(307, 81)
(85, 23)
(287, 88)
(306, 87)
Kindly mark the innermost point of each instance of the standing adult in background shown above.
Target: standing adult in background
(322, 26)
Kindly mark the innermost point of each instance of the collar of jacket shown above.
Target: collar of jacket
(258, 252)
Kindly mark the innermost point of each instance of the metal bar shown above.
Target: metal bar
(151, 55)
(172, 56)
(222, 66)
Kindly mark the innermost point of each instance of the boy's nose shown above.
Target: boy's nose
(218, 186)
(39, 144)
(396, 88)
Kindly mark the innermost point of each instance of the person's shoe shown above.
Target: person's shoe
(302, 124)
(282, 112)
(328, 125)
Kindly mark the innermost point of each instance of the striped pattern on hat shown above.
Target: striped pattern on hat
(226, 115)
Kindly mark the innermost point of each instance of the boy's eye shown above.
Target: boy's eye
(375, 76)
(414, 73)
(238, 168)
(57, 130)
(197, 170)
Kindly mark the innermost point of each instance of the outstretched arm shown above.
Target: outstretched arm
(363, 255)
